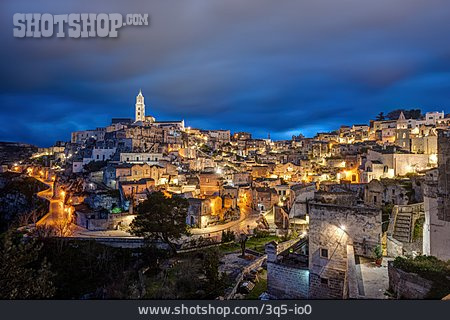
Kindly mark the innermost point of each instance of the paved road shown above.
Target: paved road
(57, 216)
(245, 224)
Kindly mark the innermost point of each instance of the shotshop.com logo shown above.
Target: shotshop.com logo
(74, 25)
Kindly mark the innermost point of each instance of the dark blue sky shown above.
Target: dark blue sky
(284, 67)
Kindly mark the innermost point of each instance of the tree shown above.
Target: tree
(409, 114)
(23, 275)
(94, 166)
(161, 218)
(243, 241)
(210, 265)
(228, 236)
(380, 117)
(216, 281)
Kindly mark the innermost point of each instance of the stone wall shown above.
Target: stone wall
(229, 294)
(394, 247)
(332, 289)
(287, 282)
(407, 285)
(436, 231)
(444, 175)
(352, 291)
(332, 228)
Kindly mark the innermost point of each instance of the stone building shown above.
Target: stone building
(140, 108)
(387, 191)
(424, 140)
(80, 137)
(241, 178)
(402, 138)
(230, 196)
(264, 198)
(203, 212)
(210, 183)
(141, 157)
(137, 189)
(436, 231)
(389, 162)
(336, 234)
(299, 197)
(260, 171)
(287, 269)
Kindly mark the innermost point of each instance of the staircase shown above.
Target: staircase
(403, 226)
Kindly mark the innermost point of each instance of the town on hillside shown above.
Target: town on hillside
(347, 214)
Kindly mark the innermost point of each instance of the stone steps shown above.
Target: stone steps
(403, 225)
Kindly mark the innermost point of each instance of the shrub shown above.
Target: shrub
(418, 228)
(431, 268)
(261, 233)
(228, 236)
(378, 252)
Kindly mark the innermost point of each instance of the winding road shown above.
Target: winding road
(59, 214)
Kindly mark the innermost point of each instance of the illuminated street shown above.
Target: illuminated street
(246, 222)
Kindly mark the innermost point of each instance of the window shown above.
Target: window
(324, 281)
(98, 156)
(374, 199)
(323, 253)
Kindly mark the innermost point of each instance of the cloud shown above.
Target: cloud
(256, 65)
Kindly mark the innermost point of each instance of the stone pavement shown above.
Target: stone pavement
(373, 281)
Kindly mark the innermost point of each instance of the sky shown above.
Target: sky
(279, 67)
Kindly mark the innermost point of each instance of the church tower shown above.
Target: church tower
(402, 136)
(140, 107)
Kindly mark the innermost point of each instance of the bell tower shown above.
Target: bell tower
(140, 107)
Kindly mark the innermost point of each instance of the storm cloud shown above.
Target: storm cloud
(278, 67)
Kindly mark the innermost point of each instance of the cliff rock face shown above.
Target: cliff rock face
(13, 152)
(18, 198)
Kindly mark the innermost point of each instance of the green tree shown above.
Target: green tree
(216, 281)
(409, 114)
(380, 117)
(161, 218)
(228, 236)
(23, 275)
